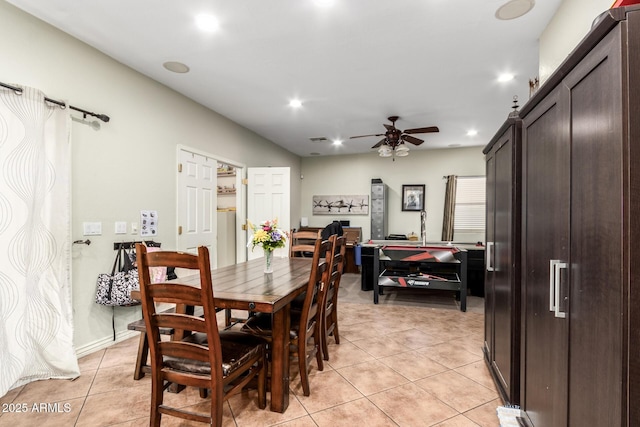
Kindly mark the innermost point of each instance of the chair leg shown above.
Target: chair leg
(227, 317)
(325, 338)
(336, 334)
(303, 368)
(262, 384)
(334, 315)
(317, 345)
(143, 354)
(157, 391)
(216, 409)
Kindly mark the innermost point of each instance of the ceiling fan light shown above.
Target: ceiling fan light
(402, 153)
(384, 151)
(402, 149)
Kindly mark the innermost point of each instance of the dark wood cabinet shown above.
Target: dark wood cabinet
(502, 274)
(580, 353)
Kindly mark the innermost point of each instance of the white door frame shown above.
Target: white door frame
(241, 204)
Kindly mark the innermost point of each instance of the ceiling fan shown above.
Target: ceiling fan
(394, 138)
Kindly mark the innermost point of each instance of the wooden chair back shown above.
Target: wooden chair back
(302, 243)
(306, 320)
(309, 332)
(197, 359)
(330, 304)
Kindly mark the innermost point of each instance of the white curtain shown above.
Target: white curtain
(36, 327)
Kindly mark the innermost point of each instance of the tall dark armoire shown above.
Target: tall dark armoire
(502, 259)
(580, 347)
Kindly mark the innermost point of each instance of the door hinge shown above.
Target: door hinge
(179, 230)
(179, 167)
(244, 227)
(245, 181)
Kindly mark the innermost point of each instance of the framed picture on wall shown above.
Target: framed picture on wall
(413, 197)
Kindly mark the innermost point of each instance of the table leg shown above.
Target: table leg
(280, 360)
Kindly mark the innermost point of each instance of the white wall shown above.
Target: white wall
(130, 163)
(351, 175)
(569, 25)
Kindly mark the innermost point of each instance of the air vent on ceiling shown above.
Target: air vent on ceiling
(318, 139)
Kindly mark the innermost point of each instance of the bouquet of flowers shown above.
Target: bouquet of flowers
(267, 235)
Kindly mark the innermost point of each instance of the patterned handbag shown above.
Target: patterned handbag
(115, 289)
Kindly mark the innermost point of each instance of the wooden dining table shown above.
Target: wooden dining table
(245, 286)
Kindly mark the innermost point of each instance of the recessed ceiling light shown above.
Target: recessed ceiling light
(337, 142)
(514, 9)
(176, 67)
(472, 132)
(295, 103)
(505, 77)
(207, 22)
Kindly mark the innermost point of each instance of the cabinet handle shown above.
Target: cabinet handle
(555, 265)
(489, 256)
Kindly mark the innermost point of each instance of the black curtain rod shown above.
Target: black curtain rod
(86, 113)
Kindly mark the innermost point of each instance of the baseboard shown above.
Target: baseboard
(105, 343)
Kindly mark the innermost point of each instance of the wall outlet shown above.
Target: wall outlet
(92, 228)
(121, 227)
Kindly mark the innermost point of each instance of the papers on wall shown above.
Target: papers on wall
(148, 223)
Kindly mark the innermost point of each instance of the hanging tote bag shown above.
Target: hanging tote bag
(115, 289)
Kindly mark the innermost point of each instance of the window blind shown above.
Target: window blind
(470, 204)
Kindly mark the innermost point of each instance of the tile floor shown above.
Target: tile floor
(400, 363)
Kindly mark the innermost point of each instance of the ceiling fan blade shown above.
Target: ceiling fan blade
(411, 139)
(364, 136)
(429, 129)
(379, 143)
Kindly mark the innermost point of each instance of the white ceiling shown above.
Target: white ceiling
(431, 62)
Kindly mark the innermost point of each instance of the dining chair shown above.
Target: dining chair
(306, 334)
(330, 306)
(223, 362)
(302, 243)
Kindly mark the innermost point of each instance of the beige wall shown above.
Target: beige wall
(130, 163)
(351, 175)
(569, 25)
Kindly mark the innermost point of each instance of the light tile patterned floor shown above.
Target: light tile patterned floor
(409, 361)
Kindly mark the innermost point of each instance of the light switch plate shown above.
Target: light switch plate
(121, 227)
(92, 228)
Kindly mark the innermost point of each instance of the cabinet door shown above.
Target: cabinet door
(489, 256)
(593, 91)
(546, 198)
(503, 284)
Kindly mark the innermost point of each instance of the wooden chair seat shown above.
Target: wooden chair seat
(237, 349)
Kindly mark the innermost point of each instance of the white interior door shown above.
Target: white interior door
(197, 204)
(268, 198)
